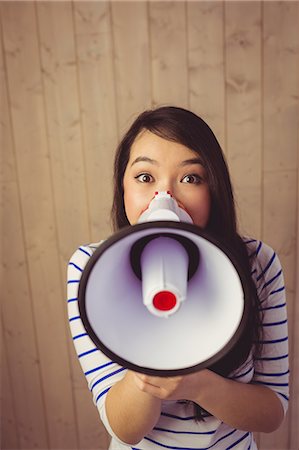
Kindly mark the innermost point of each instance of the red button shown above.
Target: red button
(164, 301)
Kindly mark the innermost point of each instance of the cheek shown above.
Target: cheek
(129, 205)
(128, 198)
(134, 203)
(200, 209)
(206, 213)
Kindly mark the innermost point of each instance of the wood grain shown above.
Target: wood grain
(38, 219)
(243, 110)
(94, 42)
(167, 23)
(73, 77)
(206, 70)
(131, 60)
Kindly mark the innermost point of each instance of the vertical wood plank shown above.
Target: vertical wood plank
(9, 429)
(168, 37)
(38, 217)
(93, 36)
(280, 223)
(92, 434)
(281, 49)
(131, 60)
(23, 356)
(294, 416)
(99, 130)
(243, 94)
(65, 143)
(23, 427)
(206, 64)
(62, 109)
(280, 118)
(280, 232)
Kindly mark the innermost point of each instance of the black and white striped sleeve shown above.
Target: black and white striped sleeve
(101, 373)
(271, 369)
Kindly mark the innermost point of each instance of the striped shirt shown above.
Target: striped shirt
(176, 428)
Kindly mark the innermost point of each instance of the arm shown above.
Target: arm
(243, 406)
(131, 412)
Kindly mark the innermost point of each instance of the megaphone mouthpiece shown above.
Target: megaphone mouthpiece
(164, 207)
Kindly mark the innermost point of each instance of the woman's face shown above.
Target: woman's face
(156, 164)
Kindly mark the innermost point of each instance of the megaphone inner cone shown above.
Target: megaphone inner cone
(201, 331)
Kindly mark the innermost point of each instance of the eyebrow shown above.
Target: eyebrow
(186, 162)
(144, 159)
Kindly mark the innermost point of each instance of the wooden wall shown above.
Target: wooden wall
(73, 76)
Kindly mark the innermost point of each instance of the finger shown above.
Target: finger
(144, 386)
(143, 380)
(153, 380)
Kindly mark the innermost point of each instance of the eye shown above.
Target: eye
(192, 179)
(144, 178)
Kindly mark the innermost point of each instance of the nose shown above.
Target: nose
(180, 204)
(171, 194)
(167, 192)
(164, 193)
(166, 185)
(169, 187)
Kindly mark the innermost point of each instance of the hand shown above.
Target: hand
(186, 387)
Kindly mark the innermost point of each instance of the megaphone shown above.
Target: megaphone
(162, 297)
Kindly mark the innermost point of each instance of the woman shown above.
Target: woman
(172, 149)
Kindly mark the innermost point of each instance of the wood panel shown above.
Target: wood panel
(206, 64)
(169, 53)
(92, 434)
(10, 438)
(279, 225)
(93, 36)
(67, 161)
(8, 421)
(281, 90)
(63, 124)
(73, 77)
(131, 60)
(294, 414)
(23, 427)
(280, 86)
(94, 44)
(38, 217)
(243, 110)
(280, 150)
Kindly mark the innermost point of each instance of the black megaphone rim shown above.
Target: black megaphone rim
(168, 226)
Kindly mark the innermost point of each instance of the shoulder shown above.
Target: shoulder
(83, 253)
(87, 249)
(266, 270)
(257, 248)
(263, 258)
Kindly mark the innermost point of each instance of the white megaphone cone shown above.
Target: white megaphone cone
(164, 260)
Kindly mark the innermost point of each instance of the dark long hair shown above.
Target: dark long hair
(182, 126)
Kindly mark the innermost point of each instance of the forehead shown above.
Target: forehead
(156, 147)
